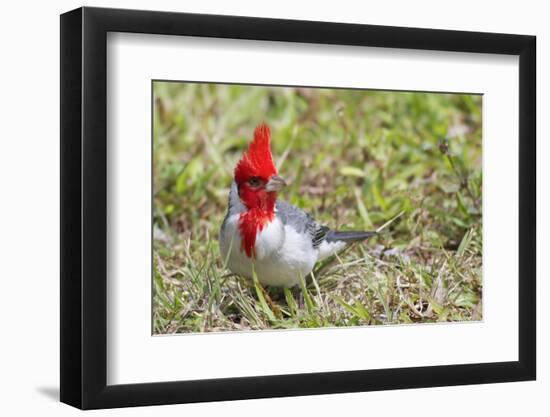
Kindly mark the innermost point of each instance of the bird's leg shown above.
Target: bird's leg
(276, 293)
(272, 305)
(296, 292)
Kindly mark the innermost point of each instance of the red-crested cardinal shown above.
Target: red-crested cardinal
(278, 241)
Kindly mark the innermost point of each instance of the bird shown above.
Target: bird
(269, 238)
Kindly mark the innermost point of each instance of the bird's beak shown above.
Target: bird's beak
(275, 183)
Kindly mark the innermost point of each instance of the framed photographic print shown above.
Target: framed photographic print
(257, 207)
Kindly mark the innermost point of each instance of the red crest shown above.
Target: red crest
(257, 160)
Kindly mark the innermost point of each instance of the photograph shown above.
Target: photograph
(300, 207)
(236, 187)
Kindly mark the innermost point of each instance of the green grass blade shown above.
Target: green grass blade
(263, 303)
(307, 297)
(291, 302)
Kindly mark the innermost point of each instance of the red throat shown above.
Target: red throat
(257, 163)
(251, 222)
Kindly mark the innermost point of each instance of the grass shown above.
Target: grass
(355, 160)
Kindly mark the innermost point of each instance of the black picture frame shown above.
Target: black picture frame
(84, 207)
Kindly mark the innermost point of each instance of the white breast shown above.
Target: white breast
(282, 254)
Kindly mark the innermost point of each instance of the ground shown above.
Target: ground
(355, 159)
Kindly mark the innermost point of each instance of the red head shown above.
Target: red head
(258, 183)
(256, 175)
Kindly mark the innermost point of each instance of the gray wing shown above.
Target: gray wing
(301, 222)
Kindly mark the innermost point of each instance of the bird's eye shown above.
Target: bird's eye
(255, 182)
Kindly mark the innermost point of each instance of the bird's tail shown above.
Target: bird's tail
(334, 236)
